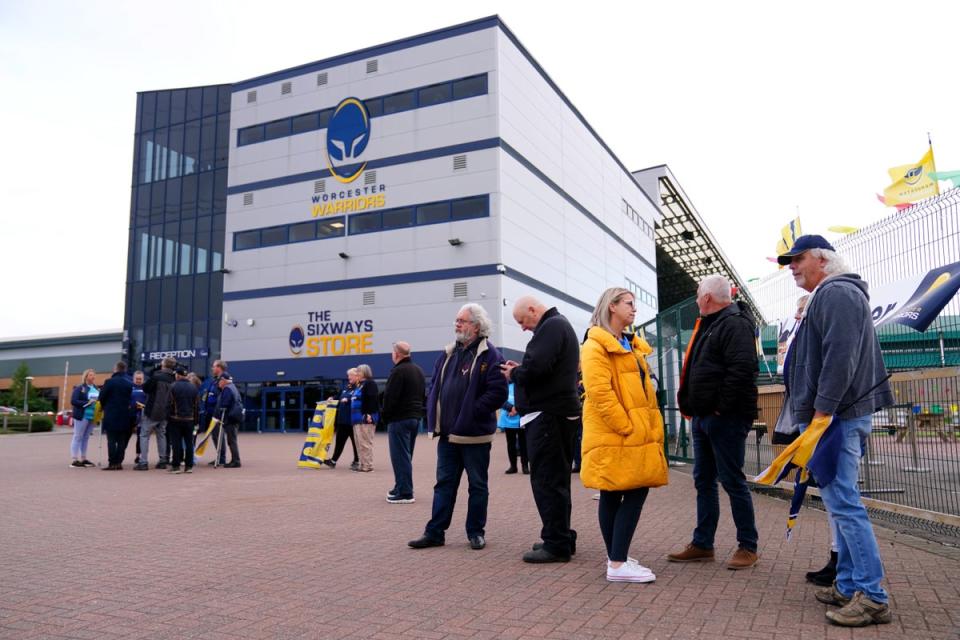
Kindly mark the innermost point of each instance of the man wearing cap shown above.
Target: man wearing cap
(180, 422)
(835, 370)
(718, 390)
(229, 407)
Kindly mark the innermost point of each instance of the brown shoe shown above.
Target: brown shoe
(742, 559)
(860, 612)
(830, 595)
(692, 554)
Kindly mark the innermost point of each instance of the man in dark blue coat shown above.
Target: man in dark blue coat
(115, 400)
(466, 390)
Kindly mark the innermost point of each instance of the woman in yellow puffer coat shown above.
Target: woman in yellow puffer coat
(623, 452)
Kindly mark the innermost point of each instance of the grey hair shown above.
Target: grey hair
(601, 313)
(717, 286)
(365, 371)
(833, 264)
(479, 317)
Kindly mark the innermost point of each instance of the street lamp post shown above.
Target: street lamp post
(26, 387)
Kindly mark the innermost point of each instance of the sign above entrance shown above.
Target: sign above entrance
(179, 354)
(322, 335)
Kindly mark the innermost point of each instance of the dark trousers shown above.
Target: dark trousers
(516, 441)
(452, 460)
(116, 445)
(619, 512)
(342, 433)
(180, 433)
(402, 436)
(577, 445)
(550, 446)
(230, 433)
(719, 445)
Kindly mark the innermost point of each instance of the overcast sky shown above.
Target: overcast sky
(758, 108)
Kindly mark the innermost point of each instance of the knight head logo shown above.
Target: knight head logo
(296, 340)
(347, 136)
(913, 175)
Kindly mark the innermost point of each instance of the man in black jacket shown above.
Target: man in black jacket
(718, 390)
(184, 409)
(157, 388)
(546, 396)
(402, 410)
(115, 399)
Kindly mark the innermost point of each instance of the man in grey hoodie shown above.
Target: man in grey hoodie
(836, 370)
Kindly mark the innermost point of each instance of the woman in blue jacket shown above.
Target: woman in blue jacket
(83, 400)
(509, 423)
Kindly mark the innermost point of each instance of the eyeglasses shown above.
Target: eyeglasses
(629, 302)
(462, 321)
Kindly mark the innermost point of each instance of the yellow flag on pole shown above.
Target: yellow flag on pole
(911, 182)
(205, 438)
(789, 235)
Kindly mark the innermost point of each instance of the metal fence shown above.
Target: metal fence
(913, 456)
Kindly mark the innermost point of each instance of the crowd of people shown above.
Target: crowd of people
(170, 404)
(588, 404)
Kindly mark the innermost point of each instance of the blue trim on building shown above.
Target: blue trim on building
(369, 52)
(405, 158)
(310, 368)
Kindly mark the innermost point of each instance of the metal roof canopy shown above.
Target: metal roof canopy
(686, 250)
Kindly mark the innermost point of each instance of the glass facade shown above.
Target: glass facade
(178, 201)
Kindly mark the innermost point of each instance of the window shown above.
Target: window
(277, 129)
(273, 236)
(303, 231)
(306, 122)
(436, 212)
(246, 240)
(470, 208)
(399, 102)
(249, 135)
(374, 107)
(325, 117)
(469, 87)
(365, 222)
(398, 218)
(332, 228)
(434, 94)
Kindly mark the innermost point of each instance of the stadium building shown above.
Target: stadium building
(298, 223)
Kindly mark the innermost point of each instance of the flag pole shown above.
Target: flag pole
(933, 163)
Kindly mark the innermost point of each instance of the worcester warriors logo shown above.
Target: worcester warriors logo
(913, 175)
(347, 136)
(296, 340)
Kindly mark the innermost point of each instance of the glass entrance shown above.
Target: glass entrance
(282, 409)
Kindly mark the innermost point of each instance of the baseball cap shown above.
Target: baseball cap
(225, 376)
(804, 243)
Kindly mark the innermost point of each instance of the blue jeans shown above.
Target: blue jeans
(858, 558)
(402, 436)
(452, 461)
(719, 445)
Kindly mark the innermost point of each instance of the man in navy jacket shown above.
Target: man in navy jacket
(466, 390)
(115, 399)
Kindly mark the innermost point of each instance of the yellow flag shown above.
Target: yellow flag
(788, 235)
(911, 182)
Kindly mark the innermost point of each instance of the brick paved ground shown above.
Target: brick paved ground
(270, 551)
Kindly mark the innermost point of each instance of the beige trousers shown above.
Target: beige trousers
(363, 434)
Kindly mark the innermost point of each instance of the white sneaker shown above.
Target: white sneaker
(630, 572)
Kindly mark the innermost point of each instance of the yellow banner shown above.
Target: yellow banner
(911, 182)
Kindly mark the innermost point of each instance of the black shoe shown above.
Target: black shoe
(526, 470)
(537, 546)
(330, 463)
(76, 464)
(511, 470)
(477, 543)
(109, 467)
(423, 542)
(576, 469)
(173, 469)
(542, 556)
(232, 465)
(161, 465)
(87, 463)
(354, 466)
(825, 576)
(143, 466)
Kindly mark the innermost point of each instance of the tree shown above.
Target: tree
(13, 397)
